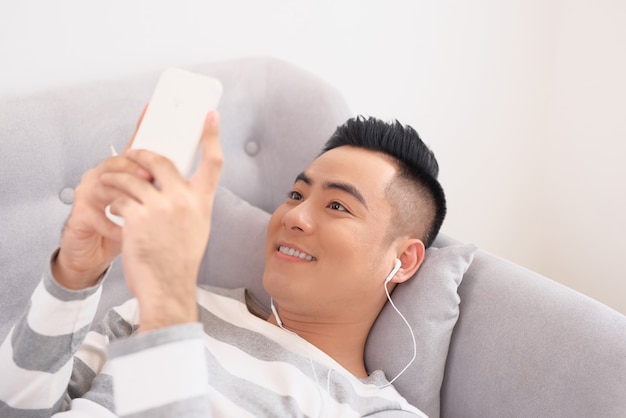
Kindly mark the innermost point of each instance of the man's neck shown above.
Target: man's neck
(345, 342)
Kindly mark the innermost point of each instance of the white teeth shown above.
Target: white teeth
(295, 253)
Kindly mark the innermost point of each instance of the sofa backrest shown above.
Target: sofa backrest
(523, 345)
(48, 140)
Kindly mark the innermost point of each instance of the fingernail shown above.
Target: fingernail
(145, 174)
(213, 118)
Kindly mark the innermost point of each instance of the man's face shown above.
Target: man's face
(328, 251)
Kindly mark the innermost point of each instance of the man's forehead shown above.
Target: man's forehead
(369, 171)
(349, 159)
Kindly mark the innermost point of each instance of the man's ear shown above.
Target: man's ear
(411, 256)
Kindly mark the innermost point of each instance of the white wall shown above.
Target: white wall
(585, 175)
(523, 101)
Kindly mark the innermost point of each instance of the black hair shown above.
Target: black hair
(416, 161)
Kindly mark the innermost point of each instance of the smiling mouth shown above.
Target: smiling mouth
(295, 253)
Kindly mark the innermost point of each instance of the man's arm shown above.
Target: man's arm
(44, 370)
(36, 358)
(167, 222)
(161, 373)
(166, 231)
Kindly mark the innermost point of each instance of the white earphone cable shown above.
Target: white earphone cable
(412, 337)
(310, 357)
(393, 305)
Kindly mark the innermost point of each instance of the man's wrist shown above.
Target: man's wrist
(73, 277)
(162, 313)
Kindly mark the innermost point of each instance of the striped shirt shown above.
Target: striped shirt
(230, 364)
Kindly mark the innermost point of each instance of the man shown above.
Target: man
(370, 198)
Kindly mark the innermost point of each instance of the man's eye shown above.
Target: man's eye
(337, 206)
(293, 195)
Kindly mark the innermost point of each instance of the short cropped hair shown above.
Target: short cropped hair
(416, 195)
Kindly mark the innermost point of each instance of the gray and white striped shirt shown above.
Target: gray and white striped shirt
(231, 363)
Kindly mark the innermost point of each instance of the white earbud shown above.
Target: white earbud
(395, 269)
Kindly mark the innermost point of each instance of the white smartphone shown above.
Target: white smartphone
(173, 122)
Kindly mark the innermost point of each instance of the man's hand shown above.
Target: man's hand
(90, 241)
(166, 228)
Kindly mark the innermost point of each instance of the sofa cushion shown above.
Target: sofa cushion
(430, 303)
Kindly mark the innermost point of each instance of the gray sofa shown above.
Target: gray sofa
(506, 343)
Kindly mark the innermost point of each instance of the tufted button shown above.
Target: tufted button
(67, 195)
(252, 148)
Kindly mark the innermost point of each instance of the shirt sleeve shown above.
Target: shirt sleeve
(161, 373)
(36, 357)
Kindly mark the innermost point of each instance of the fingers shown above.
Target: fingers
(92, 195)
(207, 175)
(106, 227)
(132, 138)
(131, 185)
(90, 183)
(134, 195)
(156, 167)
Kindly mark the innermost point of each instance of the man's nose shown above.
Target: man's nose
(299, 218)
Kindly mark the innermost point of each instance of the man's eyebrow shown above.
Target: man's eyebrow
(304, 178)
(345, 187)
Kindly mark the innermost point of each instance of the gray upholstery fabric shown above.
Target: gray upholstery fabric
(275, 119)
(523, 345)
(430, 303)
